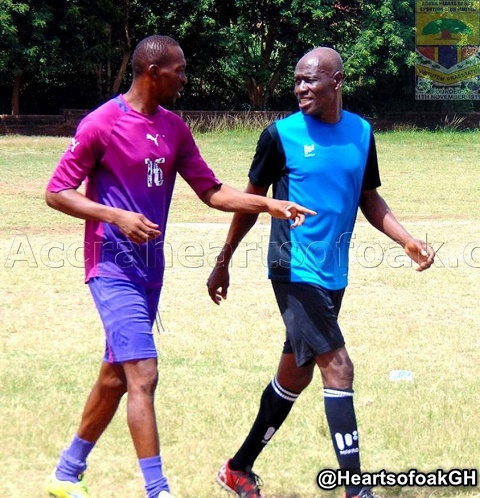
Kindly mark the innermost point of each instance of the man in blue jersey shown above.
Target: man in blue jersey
(325, 157)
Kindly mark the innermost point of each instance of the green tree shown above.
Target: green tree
(260, 39)
(58, 43)
(103, 31)
(379, 59)
(194, 24)
(26, 43)
(240, 53)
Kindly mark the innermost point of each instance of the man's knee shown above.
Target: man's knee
(337, 369)
(345, 373)
(112, 380)
(301, 380)
(142, 376)
(292, 377)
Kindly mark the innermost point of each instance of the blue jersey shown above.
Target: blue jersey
(324, 167)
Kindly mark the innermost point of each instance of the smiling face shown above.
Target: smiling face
(318, 80)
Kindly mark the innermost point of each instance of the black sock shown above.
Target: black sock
(275, 405)
(343, 429)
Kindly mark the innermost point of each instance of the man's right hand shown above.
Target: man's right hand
(289, 210)
(218, 283)
(136, 226)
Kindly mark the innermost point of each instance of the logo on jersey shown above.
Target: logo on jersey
(74, 144)
(153, 138)
(154, 172)
(309, 150)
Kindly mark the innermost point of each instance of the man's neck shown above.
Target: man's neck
(138, 102)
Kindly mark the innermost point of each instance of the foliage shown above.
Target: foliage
(379, 62)
(60, 45)
(241, 53)
(260, 40)
(27, 43)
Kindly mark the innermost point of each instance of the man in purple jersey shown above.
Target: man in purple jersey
(129, 151)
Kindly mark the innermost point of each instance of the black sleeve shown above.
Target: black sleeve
(371, 177)
(269, 160)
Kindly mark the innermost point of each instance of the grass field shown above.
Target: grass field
(215, 361)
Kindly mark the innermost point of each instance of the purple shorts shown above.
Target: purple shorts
(128, 312)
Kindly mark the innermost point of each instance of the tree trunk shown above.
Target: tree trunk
(255, 93)
(98, 73)
(275, 79)
(121, 72)
(16, 93)
(127, 48)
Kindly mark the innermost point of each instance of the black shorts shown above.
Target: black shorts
(310, 314)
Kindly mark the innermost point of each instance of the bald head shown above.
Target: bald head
(318, 84)
(151, 50)
(324, 58)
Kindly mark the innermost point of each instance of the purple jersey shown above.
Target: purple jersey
(130, 161)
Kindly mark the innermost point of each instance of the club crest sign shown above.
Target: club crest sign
(448, 50)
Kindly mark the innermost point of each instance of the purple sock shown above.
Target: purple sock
(155, 481)
(73, 460)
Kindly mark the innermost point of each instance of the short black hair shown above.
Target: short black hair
(151, 50)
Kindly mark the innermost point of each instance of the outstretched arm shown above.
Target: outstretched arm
(219, 278)
(226, 198)
(378, 214)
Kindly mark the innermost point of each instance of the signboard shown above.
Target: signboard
(448, 50)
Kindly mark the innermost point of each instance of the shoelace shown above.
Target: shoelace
(257, 480)
(159, 323)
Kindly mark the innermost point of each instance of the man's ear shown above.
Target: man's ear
(338, 78)
(154, 71)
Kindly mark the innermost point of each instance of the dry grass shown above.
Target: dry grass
(215, 361)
